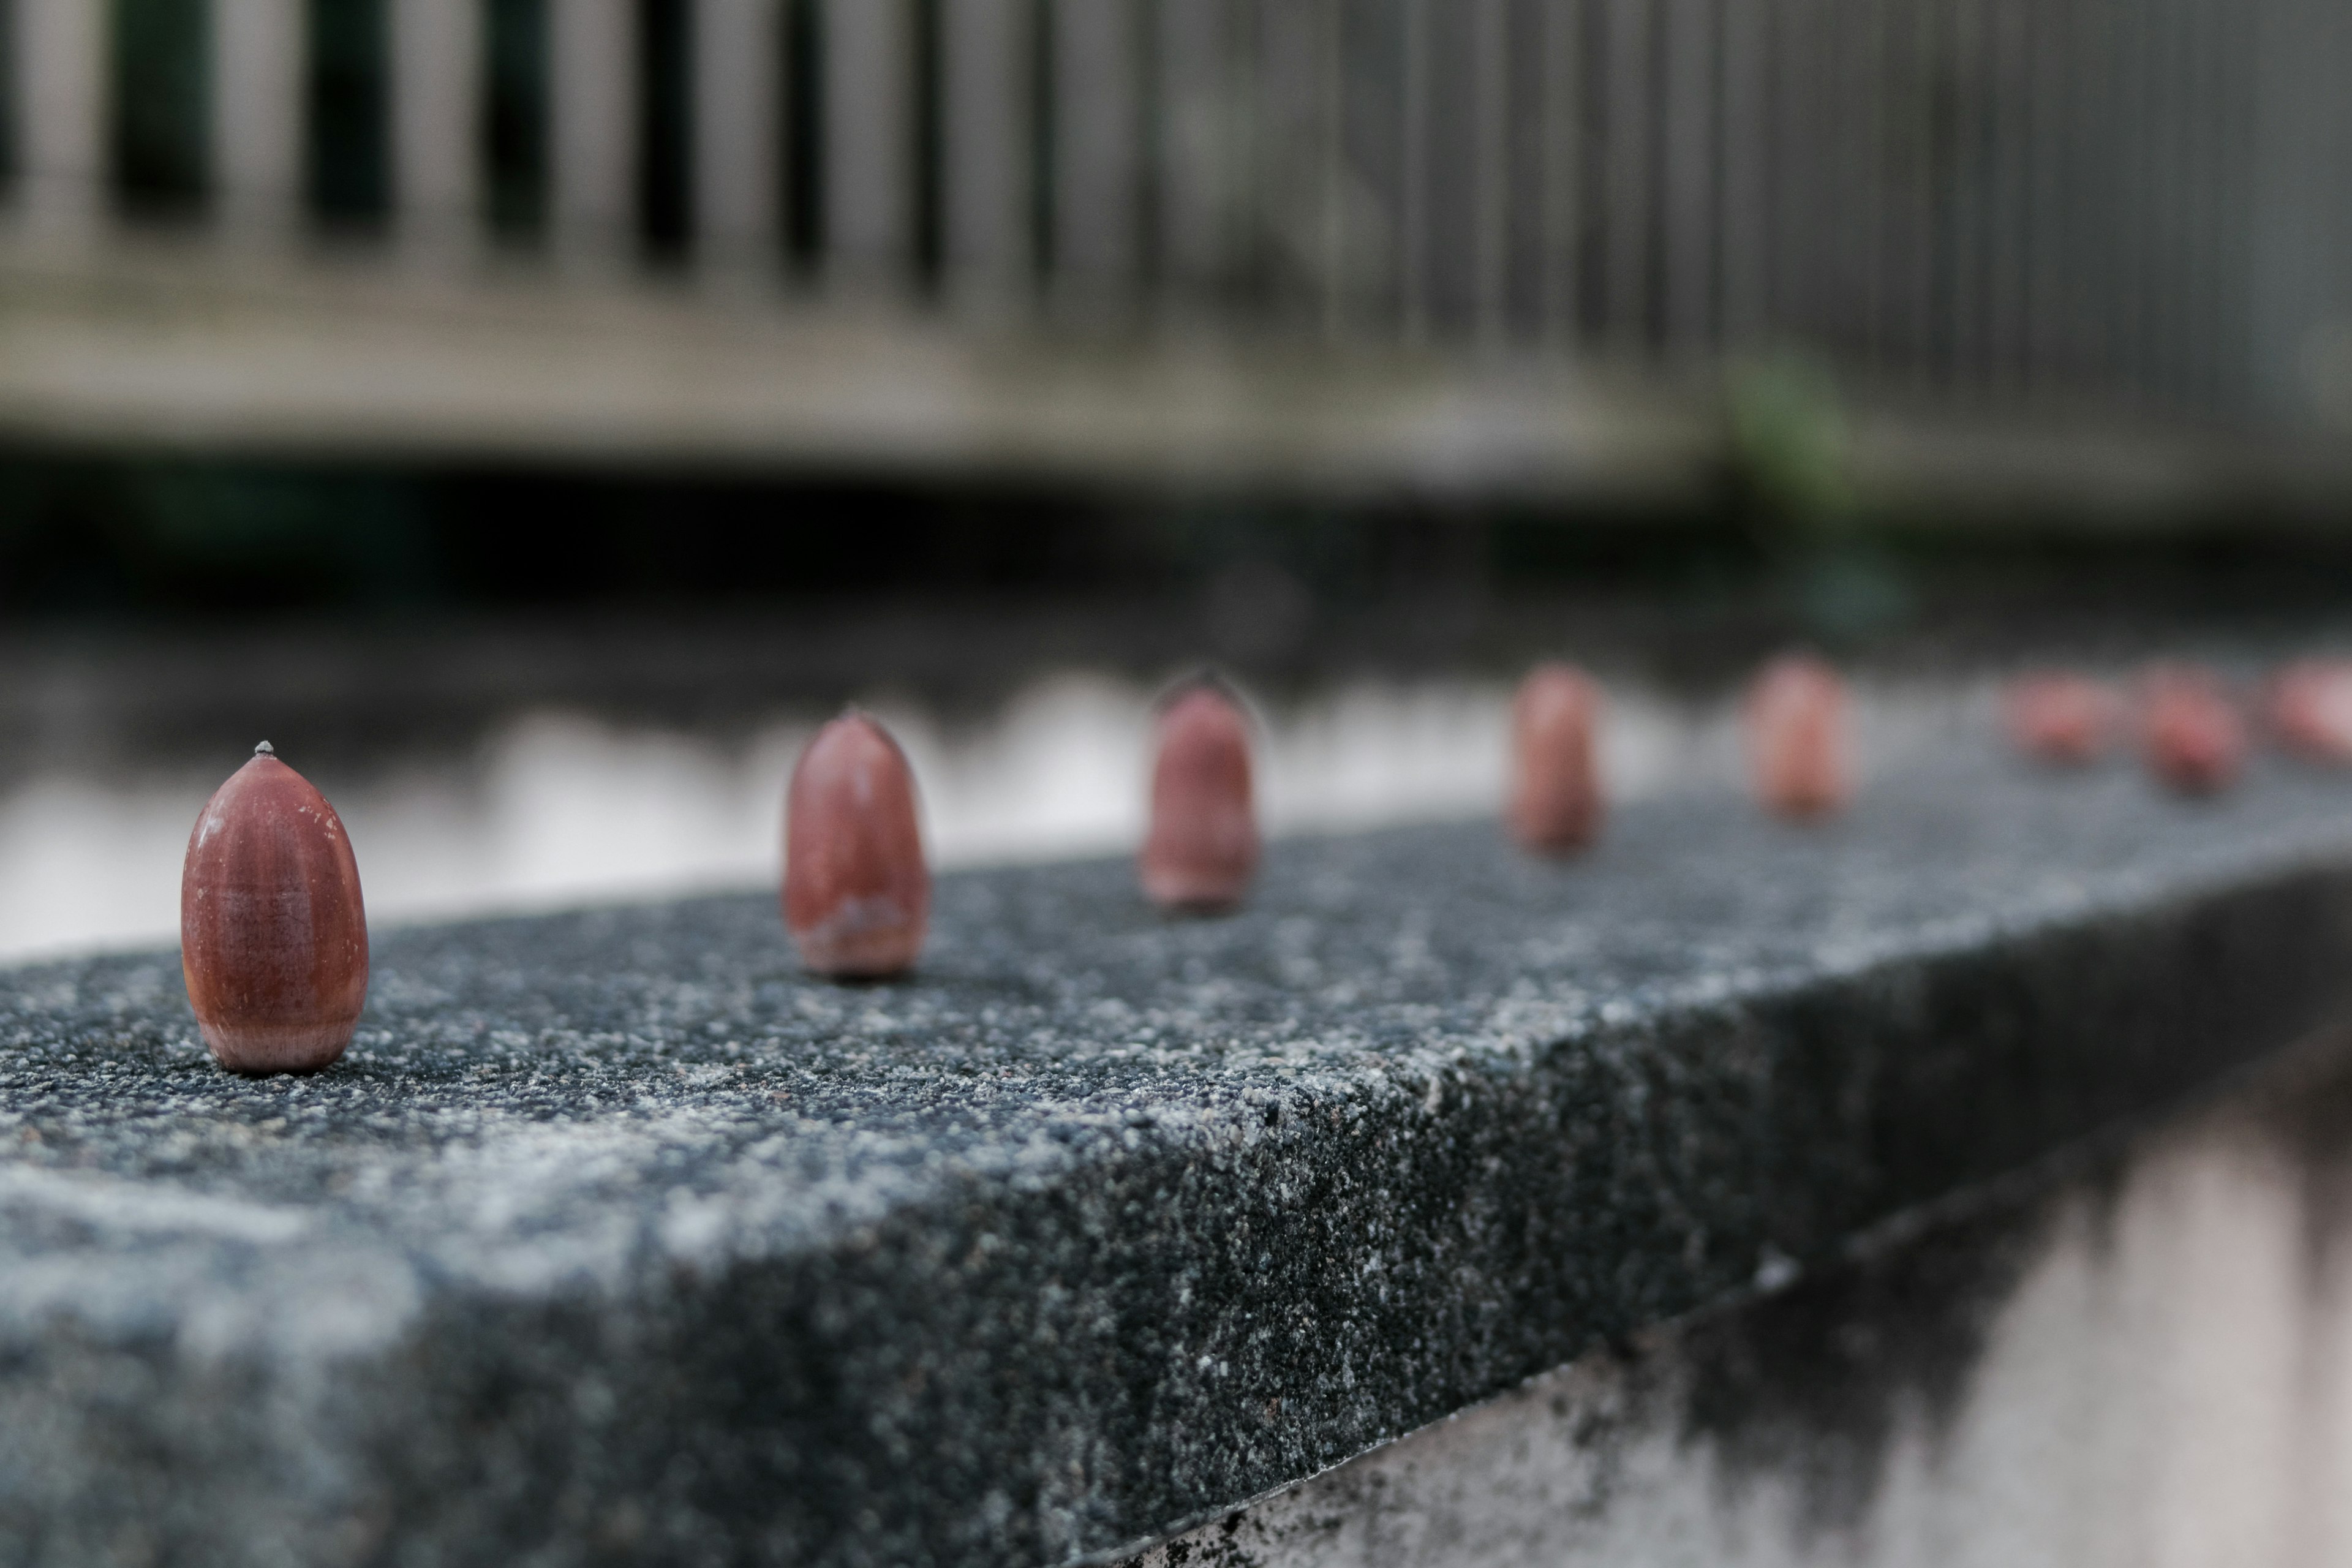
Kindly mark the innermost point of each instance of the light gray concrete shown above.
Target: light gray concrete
(2164, 1380)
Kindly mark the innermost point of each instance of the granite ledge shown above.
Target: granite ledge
(616, 1238)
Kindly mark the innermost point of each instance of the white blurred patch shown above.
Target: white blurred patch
(560, 808)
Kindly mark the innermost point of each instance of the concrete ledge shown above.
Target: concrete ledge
(616, 1240)
(149, 345)
(2137, 1350)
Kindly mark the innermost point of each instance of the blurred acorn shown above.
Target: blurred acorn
(858, 894)
(1797, 742)
(2309, 708)
(2057, 717)
(1555, 805)
(2189, 730)
(1201, 848)
(273, 934)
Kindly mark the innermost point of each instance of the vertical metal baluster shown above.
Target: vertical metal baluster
(1414, 126)
(436, 70)
(2095, 199)
(2178, 112)
(1796, 167)
(2047, 274)
(1746, 139)
(2234, 328)
(737, 137)
(2213, 215)
(1331, 80)
(869, 136)
(1290, 139)
(1196, 188)
(1095, 156)
(1831, 286)
(1872, 62)
(1689, 165)
(2202, 89)
(1562, 167)
(1959, 263)
(1831, 235)
(257, 117)
(2129, 237)
(2240, 323)
(1490, 103)
(986, 178)
(2160, 160)
(2120, 267)
(63, 99)
(2188, 174)
(1928, 204)
(2008, 226)
(1901, 179)
(592, 92)
(1247, 145)
(1832, 238)
(1630, 107)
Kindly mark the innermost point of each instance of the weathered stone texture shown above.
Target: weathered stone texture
(616, 1238)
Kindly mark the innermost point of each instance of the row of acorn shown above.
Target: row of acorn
(274, 930)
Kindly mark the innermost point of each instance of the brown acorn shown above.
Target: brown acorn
(2059, 718)
(1203, 847)
(2309, 707)
(857, 895)
(2193, 739)
(1797, 738)
(1556, 803)
(273, 934)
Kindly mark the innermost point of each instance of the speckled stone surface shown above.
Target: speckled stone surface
(616, 1238)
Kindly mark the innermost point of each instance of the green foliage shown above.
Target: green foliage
(1789, 443)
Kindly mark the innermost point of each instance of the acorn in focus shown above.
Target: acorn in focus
(1555, 805)
(1797, 742)
(2189, 731)
(858, 893)
(1203, 846)
(273, 933)
(2058, 718)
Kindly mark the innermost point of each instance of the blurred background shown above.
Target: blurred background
(535, 415)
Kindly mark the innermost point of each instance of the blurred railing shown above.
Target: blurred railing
(1993, 197)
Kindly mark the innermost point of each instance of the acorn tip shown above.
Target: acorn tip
(265, 750)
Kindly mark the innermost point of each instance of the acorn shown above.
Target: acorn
(1797, 740)
(2059, 718)
(858, 893)
(2194, 740)
(273, 933)
(1556, 803)
(1203, 846)
(2309, 708)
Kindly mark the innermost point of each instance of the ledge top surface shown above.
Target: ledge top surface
(538, 1098)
